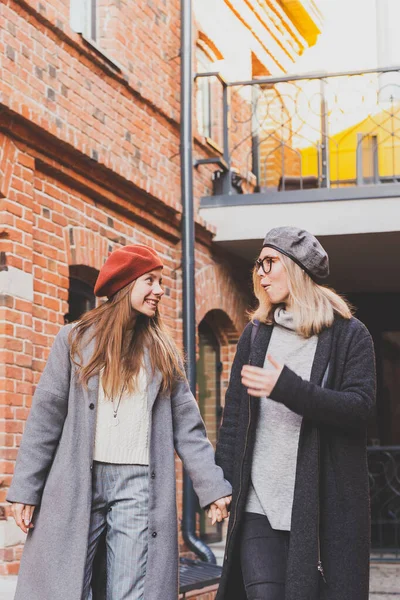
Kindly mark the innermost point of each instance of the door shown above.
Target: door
(209, 395)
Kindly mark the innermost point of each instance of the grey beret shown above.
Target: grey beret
(302, 247)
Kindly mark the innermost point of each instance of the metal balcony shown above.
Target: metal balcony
(309, 137)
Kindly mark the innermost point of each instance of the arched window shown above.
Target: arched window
(81, 298)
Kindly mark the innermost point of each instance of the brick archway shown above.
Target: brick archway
(216, 291)
(222, 304)
(86, 247)
(227, 336)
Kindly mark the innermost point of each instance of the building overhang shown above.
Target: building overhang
(325, 211)
(360, 228)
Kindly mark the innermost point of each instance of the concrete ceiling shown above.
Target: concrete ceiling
(367, 262)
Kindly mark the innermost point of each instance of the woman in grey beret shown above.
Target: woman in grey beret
(293, 438)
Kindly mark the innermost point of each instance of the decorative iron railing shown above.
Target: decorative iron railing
(307, 131)
(384, 479)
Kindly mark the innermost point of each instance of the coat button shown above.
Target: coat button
(91, 406)
(153, 475)
(154, 534)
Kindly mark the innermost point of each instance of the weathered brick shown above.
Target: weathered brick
(10, 52)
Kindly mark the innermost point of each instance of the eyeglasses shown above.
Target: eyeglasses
(265, 264)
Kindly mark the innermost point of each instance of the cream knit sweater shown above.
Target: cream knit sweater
(123, 440)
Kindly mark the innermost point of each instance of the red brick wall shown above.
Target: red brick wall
(127, 121)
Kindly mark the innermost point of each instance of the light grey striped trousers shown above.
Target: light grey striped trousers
(119, 505)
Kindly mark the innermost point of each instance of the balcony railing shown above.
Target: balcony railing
(384, 479)
(308, 131)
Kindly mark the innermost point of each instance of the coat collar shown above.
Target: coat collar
(153, 379)
(260, 345)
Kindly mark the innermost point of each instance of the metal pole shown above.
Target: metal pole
(326, 181)
(188, 272)
(227, 176)
(359, 161)
(309, 76)
(226, 124)
(255, 136)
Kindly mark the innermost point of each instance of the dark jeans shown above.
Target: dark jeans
(263, 556)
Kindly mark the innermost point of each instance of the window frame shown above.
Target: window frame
(92, 28)
(81, 22)
(206, 57)
(204, 100)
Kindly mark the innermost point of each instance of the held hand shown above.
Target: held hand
(260, 382)
(219, 509)
(23, 514)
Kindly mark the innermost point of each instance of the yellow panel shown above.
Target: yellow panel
(305, 16)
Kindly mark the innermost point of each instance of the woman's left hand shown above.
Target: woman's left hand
(260, 382)
(219, 510)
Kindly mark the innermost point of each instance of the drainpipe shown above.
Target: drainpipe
(189, 316)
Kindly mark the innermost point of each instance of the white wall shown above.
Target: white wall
(321, 218)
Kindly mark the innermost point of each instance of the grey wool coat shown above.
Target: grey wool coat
(53, 472)
(331, 497)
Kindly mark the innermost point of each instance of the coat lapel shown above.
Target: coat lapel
(90, 395)
(93, 383)
(153, 381)
(259, 347)
(322, 355)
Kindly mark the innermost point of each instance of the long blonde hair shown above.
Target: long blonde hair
(120, 345)
(313, 306)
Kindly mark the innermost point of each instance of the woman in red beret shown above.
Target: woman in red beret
(97, 457)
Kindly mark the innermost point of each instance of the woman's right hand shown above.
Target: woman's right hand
(23, 514)
(219, 509)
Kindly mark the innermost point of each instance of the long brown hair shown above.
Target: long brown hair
(120, 344)
(313, 306)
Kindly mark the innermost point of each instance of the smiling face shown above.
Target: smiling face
(275, 283)
(147, 293)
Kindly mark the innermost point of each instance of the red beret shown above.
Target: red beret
(124, 266)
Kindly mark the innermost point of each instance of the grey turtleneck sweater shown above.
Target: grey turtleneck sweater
(278, 428)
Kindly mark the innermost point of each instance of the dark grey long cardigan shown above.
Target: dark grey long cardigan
(54, 472)
(339, 412)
